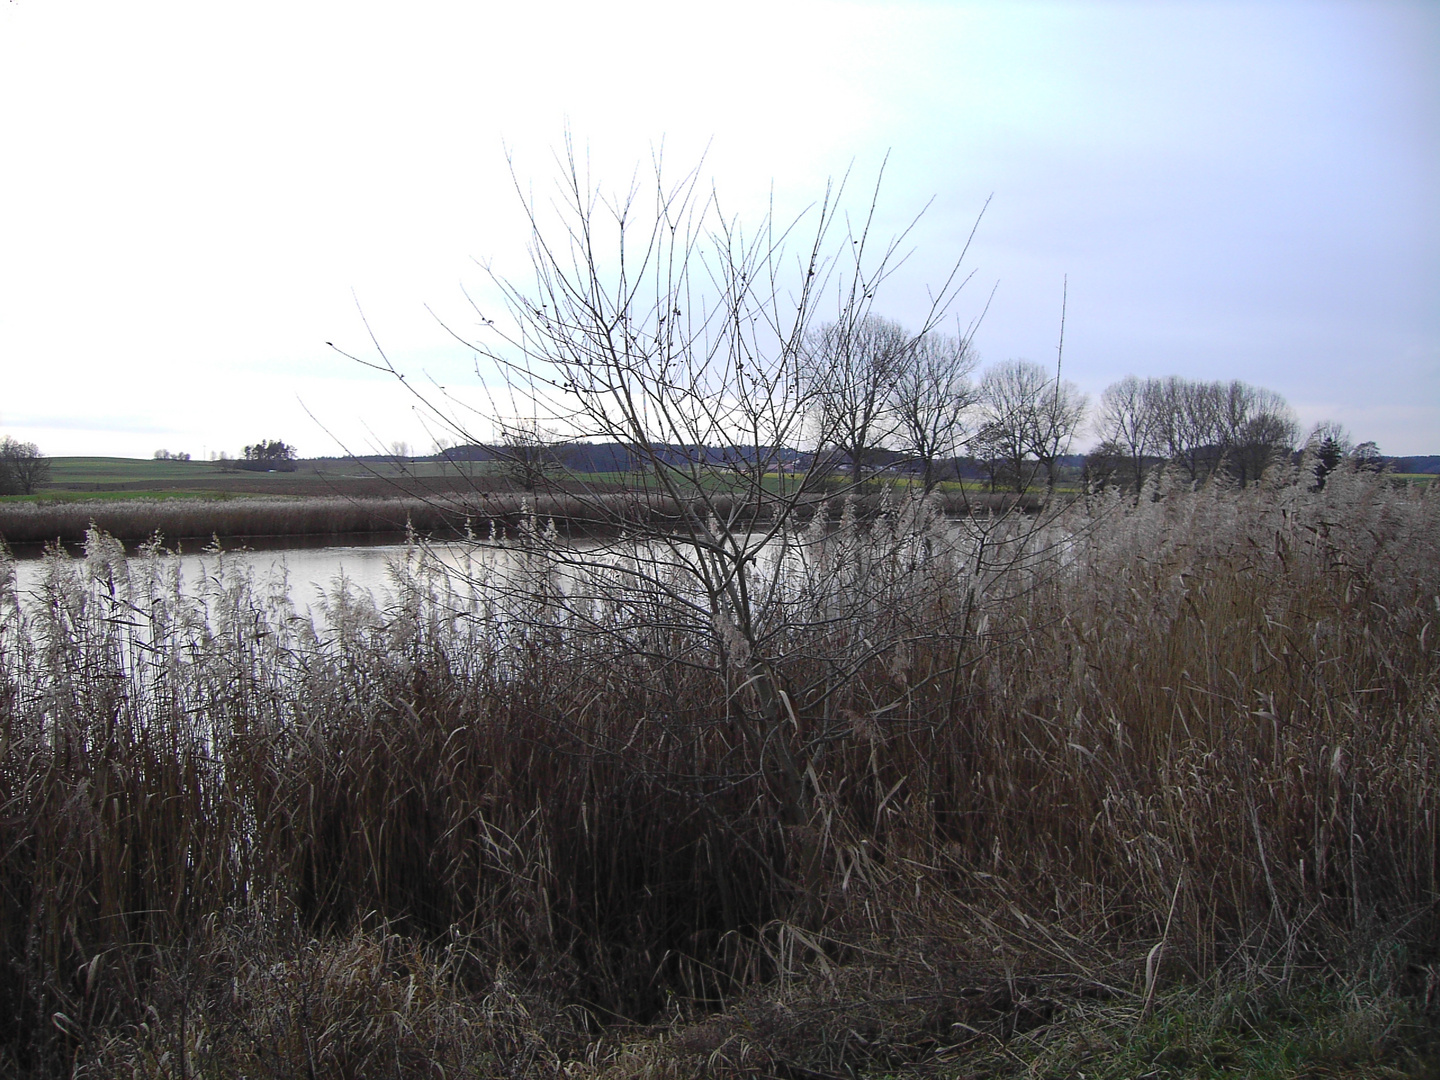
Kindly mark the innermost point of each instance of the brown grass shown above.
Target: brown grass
(135, 521)
(1185, 741)
(443, 512)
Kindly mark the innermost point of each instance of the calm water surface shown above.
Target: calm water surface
(311, 570)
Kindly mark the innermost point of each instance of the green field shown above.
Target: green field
(131, 478)
(76, 472)
(117, 470)
(112, 478)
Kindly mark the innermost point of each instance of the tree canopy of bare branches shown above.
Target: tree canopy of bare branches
(849, 371)
(1129, 425)
(1027, 420)
(1202, 427)
(933, 400)
(22, 467)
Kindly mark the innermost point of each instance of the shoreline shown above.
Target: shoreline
(322, 520)
(29, 551)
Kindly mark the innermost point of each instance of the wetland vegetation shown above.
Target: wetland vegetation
(1150, 784)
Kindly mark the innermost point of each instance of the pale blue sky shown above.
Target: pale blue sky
(189, 194)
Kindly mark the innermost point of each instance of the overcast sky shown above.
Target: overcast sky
(194, 196)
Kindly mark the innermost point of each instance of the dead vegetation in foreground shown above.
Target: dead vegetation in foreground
(1157, 797)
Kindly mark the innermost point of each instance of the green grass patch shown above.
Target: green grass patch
(74, 478)
(1310, 1031)
(108, 470)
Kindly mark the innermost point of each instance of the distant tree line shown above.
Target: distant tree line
(889, 402)
(898, 402)
(1208, 428)
(878, 399)
(1200, 427)
(270, 455)
(1423, 463)
(893, 403)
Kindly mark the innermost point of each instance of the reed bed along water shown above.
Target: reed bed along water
(134, 521)
(1131, 750)
(137, 520)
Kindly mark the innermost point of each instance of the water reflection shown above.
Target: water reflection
(310, 571)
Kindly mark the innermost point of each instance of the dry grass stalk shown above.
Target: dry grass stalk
(1214, 710)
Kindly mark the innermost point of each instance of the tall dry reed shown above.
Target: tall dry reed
(441, 514)
(1205, 723)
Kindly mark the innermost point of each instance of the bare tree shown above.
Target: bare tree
(400, 456)
(1008, 395)
(849, 371)
(1188, 423)
(22, 467)
(1257, 428)
(988, 447)
(1207, 426)
(527, 453)
(933, 399)
(653, 322)
(1029, 419)
(1058, 416)
(1130, 424)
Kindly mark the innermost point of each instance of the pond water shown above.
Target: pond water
(311, 573)
(311, 570)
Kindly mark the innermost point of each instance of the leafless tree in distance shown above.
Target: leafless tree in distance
(527, 453)
(22, 467)
(1058, 416)
(1257, 429)
(933, 398)
(1130, 425)
(1028, 420)
(850, 371)
(1200, 427)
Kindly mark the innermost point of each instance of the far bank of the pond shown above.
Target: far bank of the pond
(196, 521)
(330, 519)
(196, 545)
